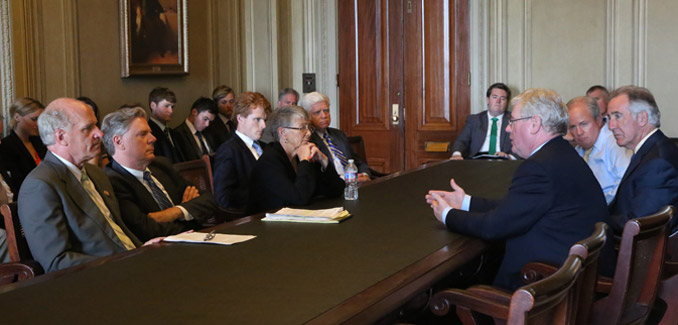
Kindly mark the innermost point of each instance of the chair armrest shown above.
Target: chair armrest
(535, 271)
(498, 295)
(19, 271)
(604, 285)
(481, 301)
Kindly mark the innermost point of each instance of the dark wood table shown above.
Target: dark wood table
(357, 271)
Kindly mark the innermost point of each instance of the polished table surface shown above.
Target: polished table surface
(356, 271)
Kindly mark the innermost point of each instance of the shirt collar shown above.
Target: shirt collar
(71, 167)
(642, 142)
(541, 146)
(223, 118)
(191, 126)
(160, 124)
(247, 140)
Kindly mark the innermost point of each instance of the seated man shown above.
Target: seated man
(485, 132)
(596, 144)
(600, 95)
(68, 208)
(190, 140)
(553, 201)
(235, 159)
(651, 179)
(161, 101)
(332, 142)
(148, 187)
(286, 97)
(222, 128)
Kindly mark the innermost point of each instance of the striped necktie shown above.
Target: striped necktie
(335, 151)
(158, 194)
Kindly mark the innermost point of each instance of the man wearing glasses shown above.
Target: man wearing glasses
(332, 142)
(553, 201)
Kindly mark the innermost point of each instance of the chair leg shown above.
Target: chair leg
(466, 316)
(668, 291)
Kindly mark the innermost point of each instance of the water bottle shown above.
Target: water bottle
(351, 178)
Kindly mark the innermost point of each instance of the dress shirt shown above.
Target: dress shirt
(163, 127)
(195, 137)
(248, 142)
(642, 142)
(466, 202)
(139, 175)
(607, 161)
(486, 144)
(338, 166)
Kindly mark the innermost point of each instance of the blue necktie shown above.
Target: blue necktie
(257, 148)
(157, 193)
(335, 151)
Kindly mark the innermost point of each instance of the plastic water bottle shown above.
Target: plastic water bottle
(351, 178)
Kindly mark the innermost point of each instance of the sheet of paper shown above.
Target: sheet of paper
(199, 237)
(326, 213)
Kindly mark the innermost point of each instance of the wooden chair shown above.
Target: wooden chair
(634, 287)
(547, 301)
(197, 172)
(358, 146)
(18, 271)
(588, 250)
(17, 246)
(668, 289)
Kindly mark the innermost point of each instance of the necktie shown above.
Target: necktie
(167, 135)
(335, 151)
(101, 205)
(203, 147)
(587, 153)
(257, 148)
(157, 193)
(493, 137)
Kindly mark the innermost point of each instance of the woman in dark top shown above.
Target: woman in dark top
(291, 171)
(22, 150)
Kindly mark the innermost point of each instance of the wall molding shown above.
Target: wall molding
(261, 47)
(69, 11)
(6, 61)
(611, 41)
(639, 42)
(479, 44)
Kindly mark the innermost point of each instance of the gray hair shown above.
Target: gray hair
(283, 117)
(117, 123)
(590, 103)
(640, 100)
(313, 98)
(548, 105)
(53, 118)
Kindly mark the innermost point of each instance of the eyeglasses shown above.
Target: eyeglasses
(518, 119)
(301, 128)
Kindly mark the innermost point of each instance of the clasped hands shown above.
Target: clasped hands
(309, 151)
(441, 200)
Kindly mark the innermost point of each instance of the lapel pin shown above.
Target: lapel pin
(106, 193)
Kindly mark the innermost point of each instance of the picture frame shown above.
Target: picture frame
(153, 37)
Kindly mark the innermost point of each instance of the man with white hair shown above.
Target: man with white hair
(651, 180)
(67, 207)
(332, 142)
(554, 199)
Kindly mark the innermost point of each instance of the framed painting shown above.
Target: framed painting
(153, 37)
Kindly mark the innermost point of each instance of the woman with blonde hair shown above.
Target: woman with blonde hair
(22, 150)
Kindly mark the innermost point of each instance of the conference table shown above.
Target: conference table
(357, 271)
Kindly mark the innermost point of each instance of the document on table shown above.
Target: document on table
(208, 238)
(334, 215)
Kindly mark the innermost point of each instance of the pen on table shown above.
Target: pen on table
(210, 236)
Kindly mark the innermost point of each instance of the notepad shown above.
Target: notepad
(334, 215)
(200, 238)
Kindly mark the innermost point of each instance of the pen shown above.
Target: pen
(210, 236)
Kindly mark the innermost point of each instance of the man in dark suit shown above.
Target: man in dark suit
(222, 128)
(190, 139)
(554, 199)
(67, 207)
(161, 102)
(485, 132)
(332, 142)
(651, 180)
(235, 159)
(156, 200)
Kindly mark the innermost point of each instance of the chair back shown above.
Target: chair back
(197, 172)
(589, 250)
(17, 246)
(638, 271)
(358, 146)
(547, 301)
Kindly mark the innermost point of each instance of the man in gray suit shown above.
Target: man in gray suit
(485, 132)
(69, 211)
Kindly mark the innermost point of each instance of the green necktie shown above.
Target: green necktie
(493, 137)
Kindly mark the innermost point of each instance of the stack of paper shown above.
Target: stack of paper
(211, 238)
(334, 215)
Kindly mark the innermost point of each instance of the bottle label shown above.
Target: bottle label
(348, 176)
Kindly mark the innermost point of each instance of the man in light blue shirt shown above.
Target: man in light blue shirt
(597, 145)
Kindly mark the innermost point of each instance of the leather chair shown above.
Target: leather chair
(358, 146)
(668, 289)
(197, 172)
(546, 301)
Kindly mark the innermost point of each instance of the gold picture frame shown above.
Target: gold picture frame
(153, 37)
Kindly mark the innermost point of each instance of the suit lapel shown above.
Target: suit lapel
(505, 137)
(137, 188)
(638, 157)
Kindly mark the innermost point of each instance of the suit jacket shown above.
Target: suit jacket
(137, 201)
(186, 143)
(218, 132)
(163, 146)
(18, 161)
(649, 183)
(472, 136)
(341, 142)
(274, 183)
(63, 226)
(553, 201)
(233, 165)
